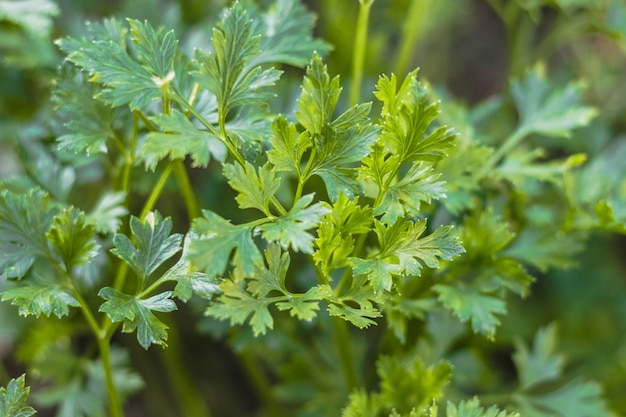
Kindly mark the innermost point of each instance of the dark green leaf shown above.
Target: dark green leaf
(14, 399)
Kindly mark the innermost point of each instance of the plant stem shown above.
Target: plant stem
(156, 191)
(115, 404)
(344, 347)
(413, 28)
(509, 144)
(193, 209)
(360, 45)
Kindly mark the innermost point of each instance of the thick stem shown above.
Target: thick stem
(360, 46)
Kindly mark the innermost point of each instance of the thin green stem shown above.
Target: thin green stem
(346, 353)
(115, 403)
(156, 191)
(360, 46)
(509, 144)
(191, 202)
(413, 28)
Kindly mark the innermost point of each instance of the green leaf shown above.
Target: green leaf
(285, 30)
(214, 241)
(223, 71)
(126, 81)
(407, 118)
(356, 305)
(472, 408)
(106, 214)
(156, 49)
(153, 244)
(24, 221)
(137, 314)
(255, 189)
(88, 123)
(72, 236)
(288, 146)
(39, 295)
(179, 139)
(468, 304)
(290, 230)
(546, 111)
(576, 399)
(14, 399)
(406, 386)
(379, 273)
(543, 363)
(188, 280)
(404, 197)
(236, 304)
(319, 97)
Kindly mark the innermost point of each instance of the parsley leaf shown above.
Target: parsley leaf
(137, 314)
(73, 237)
(290, 230)
(255, 189)
(288, 146)
(153, 244)
(214, 240)
(472, 408)
(13, 399)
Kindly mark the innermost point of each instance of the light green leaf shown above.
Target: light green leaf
(288, 146)
(576, 399)
(472, 408)
(215, 239)
(356, 305)
(290, 230)
(305, 306)
(137, 314)
(470, 305)
(255, 189)
(546, 111)
(156, 49)
(179, 139)
(73, 237)
(153, 244)
(405, 197)
(107, 212)
(377, 271)
(14, 399)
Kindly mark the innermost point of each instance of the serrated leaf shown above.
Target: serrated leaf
(236, 304)
(255, 189)
(305, 306)
(472, 408)
(407, 118)
(37, 296)
(24, 222)
(290, 230)
(153, 244)
(223, 71)
(14, 399)
(156, 48)
(285, 30)
(88, 123)
(546, 111)
(405, 197)
(542, 363)
(72, 236)
(576, 399)
(179, 139)
(216, 238)
(137, 314)
(319, 97)
(288, 146)
(356, 306)
(470, 305)
(377, 271)
(107, 212)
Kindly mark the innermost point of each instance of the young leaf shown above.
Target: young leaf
(472, 408)
(179, 139)
(153, 244)
(24, 221)
(356, 305)
(468, 304)
(288, 146)
(73, 238)
(105, 216)
(548, 112)
(215, 238)
(255, 189)
(543, 363)
(156, 48)
(290, 230)
(137, 314)
(14, 399)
